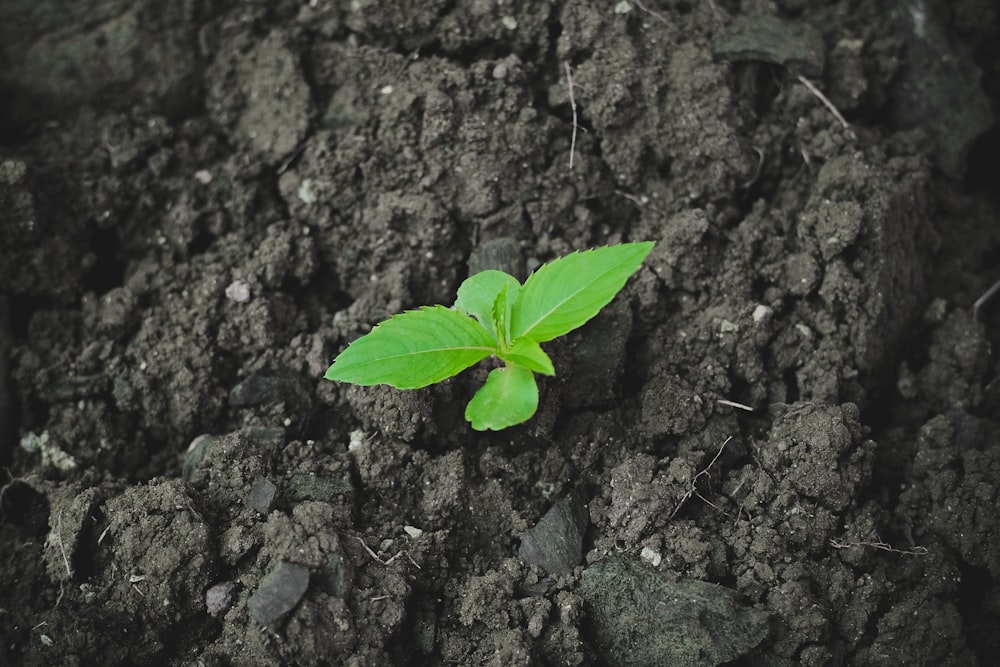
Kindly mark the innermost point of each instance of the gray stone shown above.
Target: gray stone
(279, 593)
(555, 543)
(302, 487)
(502, 254)
(262, 493)
(643, 617)
(266, 389)
(337, 575)
(197, 453)
(791, 44)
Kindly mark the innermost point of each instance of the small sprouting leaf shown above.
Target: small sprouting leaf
(526, 352)
(502, 306)
(478, 293)
(494, 314)
(414, 349)
(567, 292)
(509, 397)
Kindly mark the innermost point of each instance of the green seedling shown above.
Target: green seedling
(494, 314)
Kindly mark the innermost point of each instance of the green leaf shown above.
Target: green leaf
(502, 306)
(414, 349)
(567, 292)
(526, 352)
(509, 397)
(478, 293)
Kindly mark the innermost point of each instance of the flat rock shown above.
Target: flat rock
(267, 389)
(279, 593)
(502, 254)
(795, 46)
(262, 494)
(555, 543)
(643, 617)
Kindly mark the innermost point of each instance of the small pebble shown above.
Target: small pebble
(219, 598)
(262, 495)
(761, 313)
(651, 556)
(238, 291)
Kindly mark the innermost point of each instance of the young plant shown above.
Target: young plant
(494, 314)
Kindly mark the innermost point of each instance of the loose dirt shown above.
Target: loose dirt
(779, 446)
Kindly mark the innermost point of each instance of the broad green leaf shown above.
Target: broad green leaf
(567, 292)
(526, 352)
(509, 397)
(478, 293)
(414, 349)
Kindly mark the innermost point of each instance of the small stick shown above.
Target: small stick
(379, 559)
(977, 306)
(572, 104)
(62, 549)
(758, 168)
(824, 99)
(369, 549)
(651, 12)
(734, 404)
(291, 158)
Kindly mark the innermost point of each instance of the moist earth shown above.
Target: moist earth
(779, 445)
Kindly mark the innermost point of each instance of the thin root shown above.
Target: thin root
(693, 491)
(881, 546)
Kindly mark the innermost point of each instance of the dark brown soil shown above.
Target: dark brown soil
(779, 446)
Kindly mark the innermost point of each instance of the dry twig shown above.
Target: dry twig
(976, 307)
(62, 549)
(383, 561)
(811, 87)
(572, 105)
(734, 404)
(651, 12)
